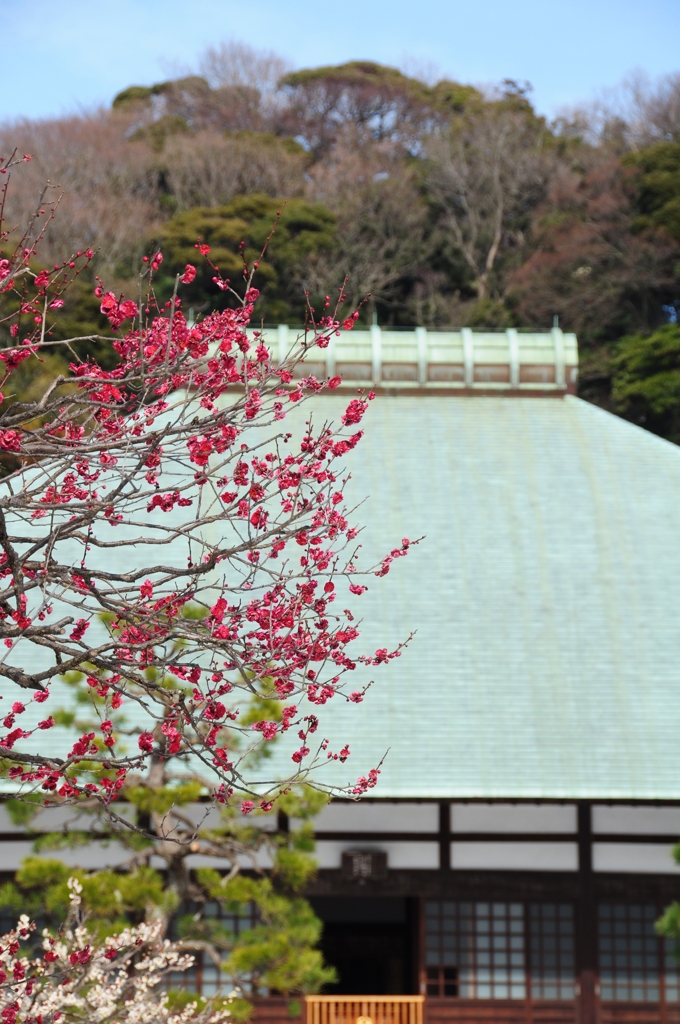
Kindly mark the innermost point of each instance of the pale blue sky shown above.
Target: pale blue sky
(59, 56)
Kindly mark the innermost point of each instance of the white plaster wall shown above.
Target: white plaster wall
(513, 818)
(514, 856)
(635, 858)
(627, 820)
(53, 820)
(13, 852)
(94, 855)
(379, 817)
(208, 816)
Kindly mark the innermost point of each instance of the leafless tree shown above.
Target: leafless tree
(382, 231)
(636, 113)
(233, 63)
(485, 173)
(110, 197)
(209, 169)
(235, 68)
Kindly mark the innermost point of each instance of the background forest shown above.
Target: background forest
(450, 206)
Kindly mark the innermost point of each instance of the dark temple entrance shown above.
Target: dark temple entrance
(371, 942)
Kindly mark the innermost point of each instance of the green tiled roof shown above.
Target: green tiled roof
(546, 599)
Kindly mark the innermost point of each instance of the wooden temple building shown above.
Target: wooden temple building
(517, 851)
(511, 863)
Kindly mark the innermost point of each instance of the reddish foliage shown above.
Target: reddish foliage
(591, 265)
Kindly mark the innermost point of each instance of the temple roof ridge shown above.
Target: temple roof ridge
(513, 361)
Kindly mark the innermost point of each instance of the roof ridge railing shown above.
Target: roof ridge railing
(468, 361)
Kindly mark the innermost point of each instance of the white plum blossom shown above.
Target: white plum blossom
(80, 979)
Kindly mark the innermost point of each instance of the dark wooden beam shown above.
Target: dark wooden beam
(444, 835)
(586, 921)
(493, 837)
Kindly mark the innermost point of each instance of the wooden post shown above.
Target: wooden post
(586, 923)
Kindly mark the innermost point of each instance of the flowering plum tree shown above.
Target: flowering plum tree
(166, 495)
(78, 977)
(174, 550)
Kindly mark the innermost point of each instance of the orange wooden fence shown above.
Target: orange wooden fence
(364, 1009)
